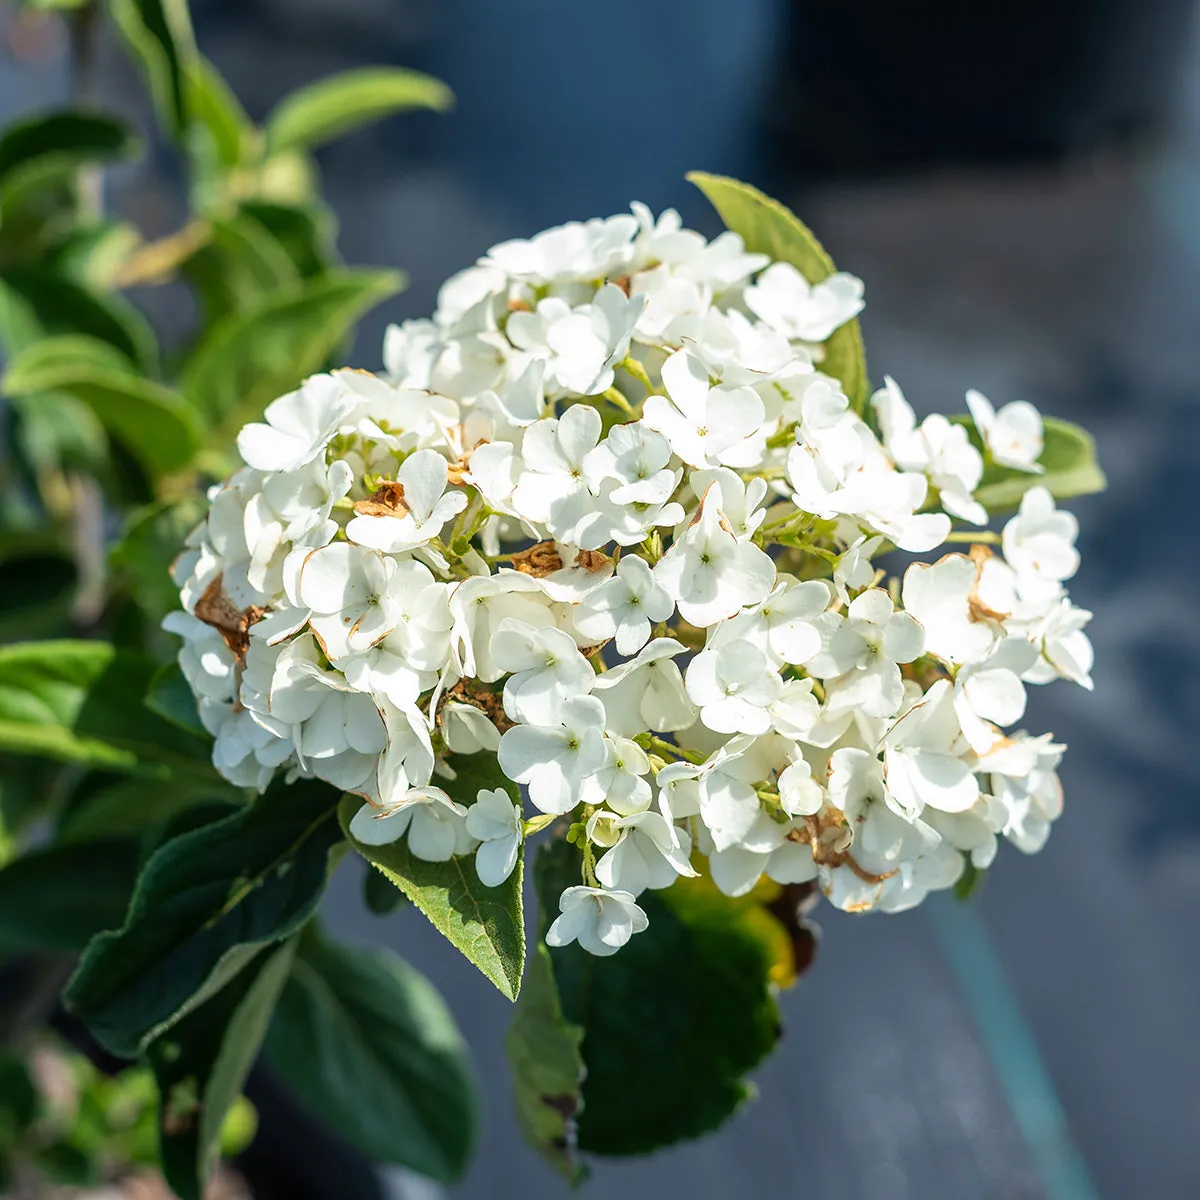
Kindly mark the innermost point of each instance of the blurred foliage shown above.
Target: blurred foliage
(116, 835)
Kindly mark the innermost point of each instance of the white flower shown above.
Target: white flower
(467, 730)
(589, 250)
(705, 425)
(863, 648)
(546, 668)
(1066, 651)
(959, 626)
(991, 690)
(925, 757)
(799, 793)
(648, 852)
(854, 570)
(741, 502)
(601, 922)
(555, 760)
(709, 573)
(646, 692)
(622, 781)
(728, 797)
(408, 760)
(1024, 781)
(579, 346)
(1013, 436)
(495, 819)
(624, 607)
(478, 605)
(298, 426)
(767, 849)
(353, 595)
(434, 824)
(1039, 544)
(553, 490)
(783, 298)
(735, 686)
(939, 449)
(424, 507)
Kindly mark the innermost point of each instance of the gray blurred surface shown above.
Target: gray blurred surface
(1077, 287)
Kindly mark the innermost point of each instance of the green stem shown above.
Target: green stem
(649, 741)
(974, 535)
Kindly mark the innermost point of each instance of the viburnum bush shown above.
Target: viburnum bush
(621, 552)
(609, 523)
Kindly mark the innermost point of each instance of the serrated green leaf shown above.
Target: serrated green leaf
(153, 539)
(486, 924)
(672, 1022)
(80, 702)
(158, 426)
(543, 1050)
(58, 898)
(202, 1063)
(332, 107)
(205, 904)
(1069, 459)
(159, 32)
(251, 357)
(370, 1048)
(767, 227)
(52, 146)
(36, 304)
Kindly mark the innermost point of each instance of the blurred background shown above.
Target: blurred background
(1020, 188)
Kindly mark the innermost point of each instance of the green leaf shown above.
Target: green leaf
(143, 808)
(767, 227)
(206, 903)
(486, 924)
(1069, 458)
(547, 1066)
(93, 255)
(672, 1022)
(306, 232)
(153, 539)
(213, 107)
(251, 357)
(158, 426)
(159, 32)
(201, 1066)
(56, 899)
(241, 264)
(36, 593)
(970, 881)
(80, 702)
(381, 896)
(52, 146)
(369, 1046)
(171, 697)
(36, 304)
(332, 107)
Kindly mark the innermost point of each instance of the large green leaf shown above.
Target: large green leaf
(215, 109)
(81, 702)
(36, 304)
(143, 808)
(672, 1022)
(1069, 459)
(171, 697)
(206, 903)
(153, 539)
(59, 897)
(370, 1047)
(53, 146)
(547, 1066)
(159, 32)
(486, 924)
(253, 356)
(332, 107)
(767, 227)
(158, 426)
(201, 1064)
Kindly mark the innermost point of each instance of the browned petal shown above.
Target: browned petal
(542, 559)
(216, 609)
(387, 500)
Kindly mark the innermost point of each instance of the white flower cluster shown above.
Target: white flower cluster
(606, 519)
